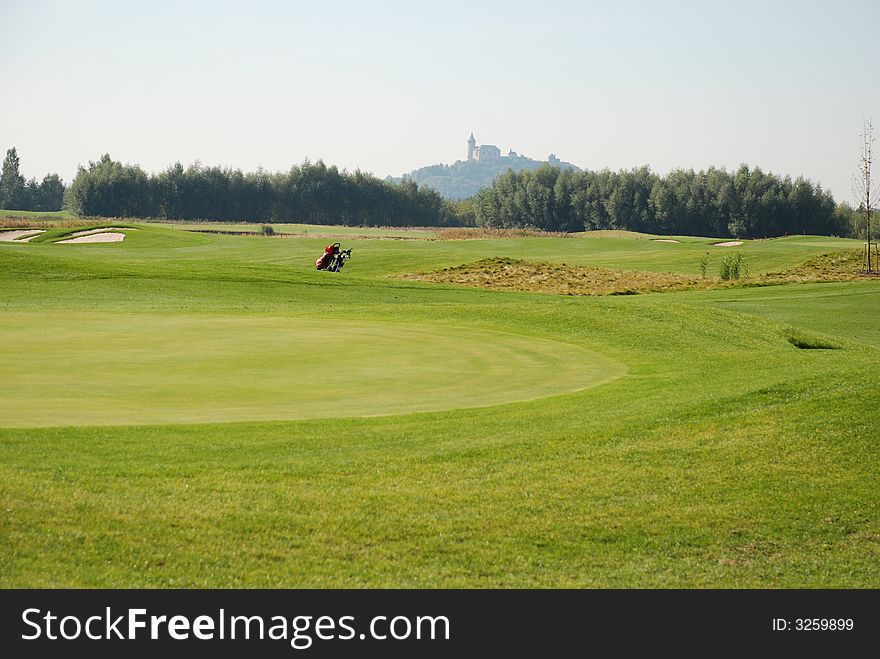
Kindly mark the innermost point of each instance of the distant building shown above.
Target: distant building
(482, 152)
(492, 152)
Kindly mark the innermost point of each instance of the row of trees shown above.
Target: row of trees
(747, 203)
(16, 193)
(311, 193)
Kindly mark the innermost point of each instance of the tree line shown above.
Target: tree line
(19, 194)
(746, 203)
(311, 193)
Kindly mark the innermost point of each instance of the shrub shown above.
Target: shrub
(267, 230)
(734, 266)
(704, 265)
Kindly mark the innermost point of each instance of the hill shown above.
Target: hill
(464, 178)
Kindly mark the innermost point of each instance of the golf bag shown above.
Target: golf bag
(333, 258)
(327, 257)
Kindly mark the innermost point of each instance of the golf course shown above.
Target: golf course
(195, 405)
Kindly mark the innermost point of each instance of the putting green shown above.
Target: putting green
(112, 368)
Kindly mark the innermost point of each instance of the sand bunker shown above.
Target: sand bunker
(666, 240)
(89, 232)
(21, 236)
(729, 243)
(107, 237)
(31, 237)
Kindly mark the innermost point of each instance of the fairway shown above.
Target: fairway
(106, 369)
(843, 310)
(186, 409)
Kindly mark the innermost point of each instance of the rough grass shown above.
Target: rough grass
(13, 222)
(516, 274)
(285, 229)
(37, 215)
(478, 233)
(501, 273)
(844, 265)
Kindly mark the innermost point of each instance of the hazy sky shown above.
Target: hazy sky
(390, 86)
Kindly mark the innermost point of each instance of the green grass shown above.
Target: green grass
(846, 310)
(716, 454)
(104, 369)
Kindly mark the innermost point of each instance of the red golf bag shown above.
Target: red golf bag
(327, 257)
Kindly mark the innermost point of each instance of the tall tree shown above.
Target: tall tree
(51, 194)
(11, 182)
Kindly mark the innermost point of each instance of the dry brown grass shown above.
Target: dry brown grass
(513, 274)
(835, 266)
(462, 233)
(561, 279)
(43, 223)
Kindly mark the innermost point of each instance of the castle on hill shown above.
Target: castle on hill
(464, 178)
(485, 152)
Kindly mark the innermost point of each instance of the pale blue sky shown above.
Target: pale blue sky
(390, 86)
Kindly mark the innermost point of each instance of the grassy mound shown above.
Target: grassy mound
(808, 341)
(500, 273)
(517, 274)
